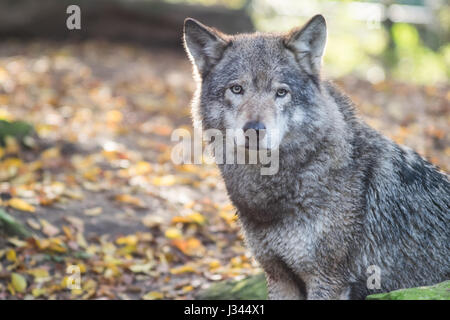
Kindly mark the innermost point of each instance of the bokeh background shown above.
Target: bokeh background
(86, 177)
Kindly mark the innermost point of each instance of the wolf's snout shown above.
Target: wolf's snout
(259, 128)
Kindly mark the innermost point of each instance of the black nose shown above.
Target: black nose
(255, 125)
(259, 128)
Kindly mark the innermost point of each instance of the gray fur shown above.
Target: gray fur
(345, 197)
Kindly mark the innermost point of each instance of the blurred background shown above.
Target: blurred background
(86, 115)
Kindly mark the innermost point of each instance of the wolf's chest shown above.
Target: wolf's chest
(263, 197)
(291, 241)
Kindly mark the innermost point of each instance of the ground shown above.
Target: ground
(96, 184)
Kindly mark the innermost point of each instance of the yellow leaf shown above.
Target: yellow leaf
(16, 242)
(48, 229)
(68, 232)
(189, 247)
(11, 255)
(214, 264)
(153, 295)
(51, 153)
(168, 180)
(33, 224)
(38, 273)
(12, 145)
(82, 267)
(18, 282)
(152, 221)
(20, 204)
(37, 292)
(130, 240)
(173, 233)
(183, 269)
(114, 116)
(197, 218)
(228, 216)
(194, 217)
(187, 288)
(129, 199)
(141, 268)
(81, 240)
(140, 168)
(93, 211)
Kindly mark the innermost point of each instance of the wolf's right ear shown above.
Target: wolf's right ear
(203, 44)
(308, 43)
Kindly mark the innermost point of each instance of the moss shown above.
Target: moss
(16, 129)
(440, 291)
(251, 288)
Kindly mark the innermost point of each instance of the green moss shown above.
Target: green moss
(251, 288)
(16, 129)
(440, 291)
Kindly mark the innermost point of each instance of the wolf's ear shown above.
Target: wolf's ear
(308, 43)
(203, 44)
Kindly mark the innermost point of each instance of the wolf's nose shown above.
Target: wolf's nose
(257, 126)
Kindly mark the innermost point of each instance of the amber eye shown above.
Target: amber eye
(236, 89)
(281, 93)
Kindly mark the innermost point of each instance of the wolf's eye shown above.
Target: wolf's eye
(236, 89)
(281, 93)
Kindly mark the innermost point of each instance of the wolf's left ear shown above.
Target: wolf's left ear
(308, 43)
(203, 44)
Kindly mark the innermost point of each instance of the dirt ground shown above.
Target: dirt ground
(98, 188)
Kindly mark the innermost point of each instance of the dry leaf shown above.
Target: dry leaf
(20, 204)
(18, 282)
(93, 211)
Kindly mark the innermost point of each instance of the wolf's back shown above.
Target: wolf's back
(406, 225)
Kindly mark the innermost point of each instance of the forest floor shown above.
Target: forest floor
(100, 192)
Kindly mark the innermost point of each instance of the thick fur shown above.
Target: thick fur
(344, 198)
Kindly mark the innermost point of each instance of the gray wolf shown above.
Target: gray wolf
(345, 197)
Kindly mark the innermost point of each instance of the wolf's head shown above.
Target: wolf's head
(262, 81)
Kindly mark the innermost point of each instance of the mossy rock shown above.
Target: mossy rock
(440, 291)
(251, 288)
(16, 129)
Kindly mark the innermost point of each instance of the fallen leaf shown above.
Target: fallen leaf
(130, 240)
(173, 233)
(129, 199)
(183, 269)
(49, 229)
(189, 247)
(93, 211)
(11, 255)
(33, 224)
(194, 217)
(18, 282)
(20, 204)
(153, 295)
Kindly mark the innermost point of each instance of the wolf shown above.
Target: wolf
(346, 199)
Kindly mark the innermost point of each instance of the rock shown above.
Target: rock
(440, 291)
(251, 288)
